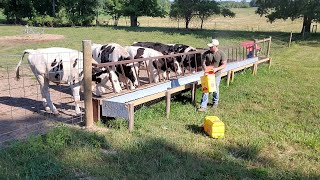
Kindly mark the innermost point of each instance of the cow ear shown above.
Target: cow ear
(54, 63)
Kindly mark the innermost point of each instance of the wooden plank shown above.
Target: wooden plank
(96, 110)
(263, 60)
(193, 93)
(232, 76)
(228, 78)
(131, 116)
(168, 103)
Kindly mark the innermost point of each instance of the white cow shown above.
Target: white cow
(59, 65)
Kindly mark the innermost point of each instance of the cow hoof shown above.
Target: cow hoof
(56, 113)
(47, 109)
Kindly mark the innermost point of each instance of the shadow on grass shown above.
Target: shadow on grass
(196, 129)
(281, 37)
(69, 153)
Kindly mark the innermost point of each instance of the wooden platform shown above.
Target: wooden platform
(122, 105)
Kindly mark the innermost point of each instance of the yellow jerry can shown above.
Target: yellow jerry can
(208, 83)
(214, 127)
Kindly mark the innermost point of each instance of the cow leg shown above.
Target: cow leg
(153, 72)
(135, 70)
(76, 95)
(164, 75)
(46, 100)
(115, 82)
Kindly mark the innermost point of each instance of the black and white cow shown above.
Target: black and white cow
(59, 65)
(163, 48)
(165, 65)
(191, 61)
(113, 52)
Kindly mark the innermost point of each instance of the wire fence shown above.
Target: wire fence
(21, 109)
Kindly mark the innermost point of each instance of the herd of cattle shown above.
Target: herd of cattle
(63, 65)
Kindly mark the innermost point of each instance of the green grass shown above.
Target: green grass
(272, 120)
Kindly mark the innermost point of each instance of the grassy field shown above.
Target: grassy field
(272, 119)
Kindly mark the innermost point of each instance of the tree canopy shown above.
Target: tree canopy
(136, 8)
(309, 10)
(203, 9)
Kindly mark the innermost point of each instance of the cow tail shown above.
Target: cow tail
(18, 66)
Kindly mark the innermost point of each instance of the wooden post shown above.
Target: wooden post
(290, 39)
(270, 62)
(96, 110)
(255, 67)
(228, 78)
(255, 48)
(131, 116)
(87, 70)
(232, 76)
(193, 92)
(168, 103)
(269, 46)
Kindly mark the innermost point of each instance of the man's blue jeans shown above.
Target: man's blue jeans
(215, 95)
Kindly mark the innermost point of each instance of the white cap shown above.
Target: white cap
(214, 42)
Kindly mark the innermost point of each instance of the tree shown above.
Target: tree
(42, 8)
(205, 9)
(115, 9)
(183, 9)
(16, 10)
(253, 3)
(187, 9)
(309, 10)
(136, 8)
(80, 12)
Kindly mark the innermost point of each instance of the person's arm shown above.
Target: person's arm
(222, 66)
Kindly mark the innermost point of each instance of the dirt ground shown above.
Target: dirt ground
(29, 38)
(21, 109)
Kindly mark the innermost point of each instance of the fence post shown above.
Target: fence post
(269, 46)
(255, 48)
(290, 39)
(87, 71)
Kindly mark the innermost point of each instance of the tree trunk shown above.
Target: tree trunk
(201, 23)
(133, 21)
(53, 8)
(306, 24)
(187, 23)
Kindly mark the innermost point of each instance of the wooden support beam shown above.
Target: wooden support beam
(232, 76)
(193, 93)
(270, 62)
(87, 71)
(228, 78)
(168, 103)
(131, 116)
(96, 110)
(255, 67)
